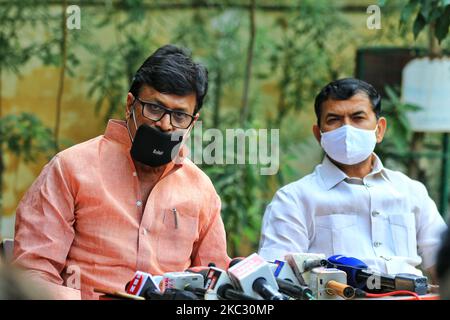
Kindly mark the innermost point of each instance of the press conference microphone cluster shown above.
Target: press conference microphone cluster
(209, 283)
(303, 276)
(360, 276)
(255, 278)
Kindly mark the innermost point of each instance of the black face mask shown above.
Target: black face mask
(154, 147)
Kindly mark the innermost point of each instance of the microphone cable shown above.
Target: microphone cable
(362, 294)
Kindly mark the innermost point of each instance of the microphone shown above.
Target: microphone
(328, 284)
(254, 277)
(145, 285)
(303, 263)
(227, 292)
(219, 287)
(281, 270)
(360, 276)
(288, 282)
(187, 281)
(141, 283)
(201, 270)
(175, 294)
(235, 261)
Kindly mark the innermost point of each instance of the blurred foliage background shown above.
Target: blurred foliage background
(266, 60)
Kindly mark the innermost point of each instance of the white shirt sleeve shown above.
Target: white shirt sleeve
(429, 227)
(283, 228)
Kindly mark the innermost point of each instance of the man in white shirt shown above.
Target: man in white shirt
(351, 204)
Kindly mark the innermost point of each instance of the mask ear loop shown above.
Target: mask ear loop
(188, 131)
(134, 119)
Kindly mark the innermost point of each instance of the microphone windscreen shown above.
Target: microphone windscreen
(174, 294)
(235, 261)
(350, 266)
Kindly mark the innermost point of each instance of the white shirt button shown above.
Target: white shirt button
(144, 231)
(375, 213)
(376, 244)
(139, 203)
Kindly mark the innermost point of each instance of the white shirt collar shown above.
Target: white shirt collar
(331, 175)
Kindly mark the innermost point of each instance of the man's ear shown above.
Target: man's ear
(130, 101)
(197, 115)
(317, 134)
(381, 129)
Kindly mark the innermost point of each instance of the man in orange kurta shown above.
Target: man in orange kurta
(98, 212)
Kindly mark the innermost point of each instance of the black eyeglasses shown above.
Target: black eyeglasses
(156, 112)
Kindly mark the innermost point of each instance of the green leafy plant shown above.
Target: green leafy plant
(215, 41)
(428, 12)
(25, 136)
(303, 54)
(15, 51)
(396, 144)
(109, 78)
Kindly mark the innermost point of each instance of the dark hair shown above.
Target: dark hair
(344, 89)
(171, 70)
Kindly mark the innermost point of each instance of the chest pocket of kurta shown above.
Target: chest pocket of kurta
(176, 239)
(403, 229)
(336, 234)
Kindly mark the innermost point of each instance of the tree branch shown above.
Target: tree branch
(248, 69)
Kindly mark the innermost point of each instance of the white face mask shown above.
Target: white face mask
(349, 145)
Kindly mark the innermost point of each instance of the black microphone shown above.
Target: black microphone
(262, 286)
(235, 261)
(288, 282)
(294, 290)
(169, 294)
(227, 292)
(175, 294)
